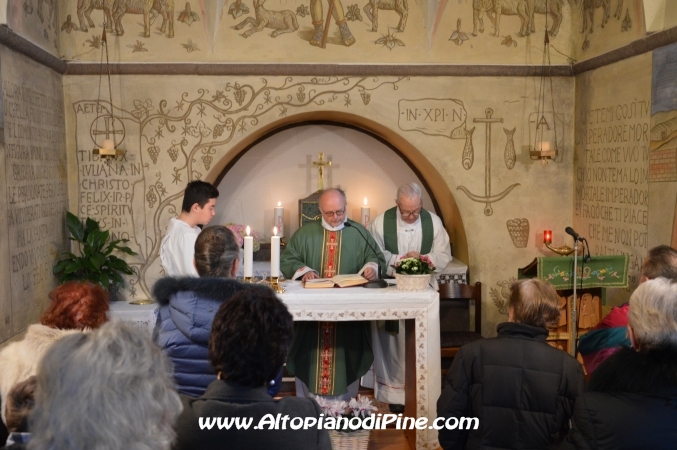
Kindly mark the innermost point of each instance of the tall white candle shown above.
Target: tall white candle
(248, 254)
(279, 219)
(365, 214)
(275, 254)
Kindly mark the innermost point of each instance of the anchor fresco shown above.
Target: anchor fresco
(488, 197)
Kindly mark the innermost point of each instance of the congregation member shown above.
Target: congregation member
(328, 358)
(521, 389)
(20, 401)
(250, 338)
(610, 335)
(404, 231)
(188, 306)
(75, 306)
(632, 396)
(109, 389)
(178, 244)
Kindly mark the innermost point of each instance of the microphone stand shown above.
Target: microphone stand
(574, 326)
(379, 283)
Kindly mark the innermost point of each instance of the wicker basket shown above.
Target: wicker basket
(353, 440)
(412, 283)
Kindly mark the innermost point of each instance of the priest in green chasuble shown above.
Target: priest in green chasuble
(330, 357)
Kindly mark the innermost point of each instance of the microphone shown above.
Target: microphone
(374, 284)
(570, 231)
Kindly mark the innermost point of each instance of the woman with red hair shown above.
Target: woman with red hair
(75, 307)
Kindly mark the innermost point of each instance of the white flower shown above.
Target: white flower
(361, 406)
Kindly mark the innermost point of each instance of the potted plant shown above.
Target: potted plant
(413, 274)
(96, 262)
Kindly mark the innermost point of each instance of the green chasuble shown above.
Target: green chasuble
(328, 356)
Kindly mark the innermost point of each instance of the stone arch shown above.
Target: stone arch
(441, 195)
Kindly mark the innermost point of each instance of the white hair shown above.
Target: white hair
(409, 190)
(112, 388)
(653, 313)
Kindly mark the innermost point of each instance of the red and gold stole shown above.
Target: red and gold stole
(331, 261)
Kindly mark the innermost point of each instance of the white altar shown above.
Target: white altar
(420, 309)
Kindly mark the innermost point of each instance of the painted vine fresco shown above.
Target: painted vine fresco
(175, 141)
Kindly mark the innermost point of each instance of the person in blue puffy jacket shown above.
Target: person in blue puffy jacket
(188, 306)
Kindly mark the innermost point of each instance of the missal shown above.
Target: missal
(340, 281)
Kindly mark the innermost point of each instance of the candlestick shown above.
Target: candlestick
(248, 255)
(365, 214)
(279, 219)
(275, 254)
(547, 236)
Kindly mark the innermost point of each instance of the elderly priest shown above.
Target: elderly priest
(330, 357)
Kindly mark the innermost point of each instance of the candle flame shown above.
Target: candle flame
(275, 231)
(365, 201)
(248, 230)
(279, 204)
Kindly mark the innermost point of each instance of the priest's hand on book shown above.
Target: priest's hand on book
(310, 276)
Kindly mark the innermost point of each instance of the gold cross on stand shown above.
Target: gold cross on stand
(320, 165)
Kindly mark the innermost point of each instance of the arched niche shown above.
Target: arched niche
(441, 196)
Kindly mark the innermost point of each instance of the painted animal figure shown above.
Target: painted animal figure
(589, 7)
(619, 10)
(401, 7)
(554, 8)
(163, 7)
(52, 14)
(85, 8)
(522, 8)
(479, 7)
(279, 21)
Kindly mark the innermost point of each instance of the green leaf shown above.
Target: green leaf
(91, 225)
(98, 260)
(75, 226)
(60, 266)
(72, 267)
(96, 239)
(120, 265)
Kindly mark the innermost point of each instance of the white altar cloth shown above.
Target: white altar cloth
(356, 303)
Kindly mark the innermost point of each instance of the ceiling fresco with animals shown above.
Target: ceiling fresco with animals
(366, 31)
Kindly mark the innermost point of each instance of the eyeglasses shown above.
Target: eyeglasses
(410, 213)
(331, 214)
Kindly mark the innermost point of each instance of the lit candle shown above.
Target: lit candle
(279, 218)
(365, 214)
(547, 236)
(544, 146)
(248, 254)
(275, 254)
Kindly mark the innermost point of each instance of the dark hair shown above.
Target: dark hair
(199, 192)
(76, 305)
(250, 338)
(216, 249)
(534, 303)
(20, 402)
(661, 262)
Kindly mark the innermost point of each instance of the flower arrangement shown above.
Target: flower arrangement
(414, 266)
(357, 407)
(240, 231)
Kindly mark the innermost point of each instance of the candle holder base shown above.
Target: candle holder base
(142, 302)
(248, 280)
(276, 286)
(564, 250)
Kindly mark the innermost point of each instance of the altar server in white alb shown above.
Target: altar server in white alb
(404, 231)
(178, 245)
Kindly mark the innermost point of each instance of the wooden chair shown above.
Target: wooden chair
(456, 299)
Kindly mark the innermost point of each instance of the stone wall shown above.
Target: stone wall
(33, 188)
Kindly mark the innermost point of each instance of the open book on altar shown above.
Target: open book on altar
(337, 281)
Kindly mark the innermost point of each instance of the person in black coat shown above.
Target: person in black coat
(250, 339)
(631, 402)
(521, 389)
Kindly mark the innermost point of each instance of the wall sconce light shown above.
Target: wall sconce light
(564, 250)
(543, 153)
